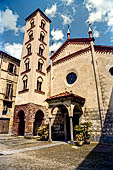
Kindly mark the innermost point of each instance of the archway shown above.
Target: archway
(21, 126)
(77, 112)
(60, 123)
(39, 117)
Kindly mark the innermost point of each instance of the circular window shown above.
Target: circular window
(111, 71)
(71, 78)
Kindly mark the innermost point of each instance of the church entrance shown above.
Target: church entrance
(21, 126)
(62, 121)
(39, 116)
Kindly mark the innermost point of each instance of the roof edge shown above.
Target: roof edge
(33, 13)
(9, 56)
(87, 40)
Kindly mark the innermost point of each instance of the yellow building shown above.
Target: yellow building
(9, 70)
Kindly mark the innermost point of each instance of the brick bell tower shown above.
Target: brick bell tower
(32, 85)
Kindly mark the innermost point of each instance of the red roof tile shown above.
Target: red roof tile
(65, 94)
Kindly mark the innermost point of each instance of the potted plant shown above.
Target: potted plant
(80, 139)
(43, 132)
(79, 134)
(86, 134)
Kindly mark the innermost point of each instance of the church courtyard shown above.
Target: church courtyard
(47, 156)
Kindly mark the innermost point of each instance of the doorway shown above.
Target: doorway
(39, 117)
(21, 126)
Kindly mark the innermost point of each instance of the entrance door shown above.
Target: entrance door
(4, 126)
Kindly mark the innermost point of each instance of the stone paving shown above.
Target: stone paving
(53, 156)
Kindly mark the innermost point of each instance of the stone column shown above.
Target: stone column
(50, 138)
(71, 128)
(65, 130)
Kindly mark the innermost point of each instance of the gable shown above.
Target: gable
(71, 46)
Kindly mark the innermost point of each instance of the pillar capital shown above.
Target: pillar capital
(70, 110)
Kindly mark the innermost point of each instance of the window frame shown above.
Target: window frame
(39, 84)
(43, 23)
(41, 49)
(25, 82)
(40, 64)
(28, 49)
(30, 35)
(32, 22)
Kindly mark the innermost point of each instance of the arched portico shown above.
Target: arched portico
(38, 121)
(68, 101)
(21, 124)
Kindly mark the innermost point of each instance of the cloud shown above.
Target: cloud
(66, 19)
(8, 21)
(96, 33)
(100, 11)
(68, 2)
(14, 49)
(57, 34)
(55, 46)
(51, 11)
(22, 29)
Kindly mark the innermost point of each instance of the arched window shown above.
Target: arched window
(25, 81)
(28, 49)
(40, 64)
(42, 35)
(27, 61)
(39, 83)
(43, 23)
(32, 23)
(41, 50)
(30, 35)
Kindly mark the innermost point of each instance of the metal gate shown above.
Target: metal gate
(4, 126)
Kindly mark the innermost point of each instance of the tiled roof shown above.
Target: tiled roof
(103, 48)
(65, 94)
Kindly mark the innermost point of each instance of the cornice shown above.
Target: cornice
(103, 49)
(70, 41)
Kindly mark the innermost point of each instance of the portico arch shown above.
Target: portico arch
(21, 124)
(38, 121)
(68, 101)
(60, 122)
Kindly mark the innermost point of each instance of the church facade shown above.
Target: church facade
(76, 87)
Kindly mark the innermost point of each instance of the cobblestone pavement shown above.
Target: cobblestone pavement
(60, 157)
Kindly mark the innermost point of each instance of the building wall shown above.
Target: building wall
(7, 77)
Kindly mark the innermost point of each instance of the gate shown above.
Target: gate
(4, 126)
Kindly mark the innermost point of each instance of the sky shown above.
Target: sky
(75, 13)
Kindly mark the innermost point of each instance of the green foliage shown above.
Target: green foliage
(43, 132)
(82, 131)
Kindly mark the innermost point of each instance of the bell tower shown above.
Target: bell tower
(31, 89)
